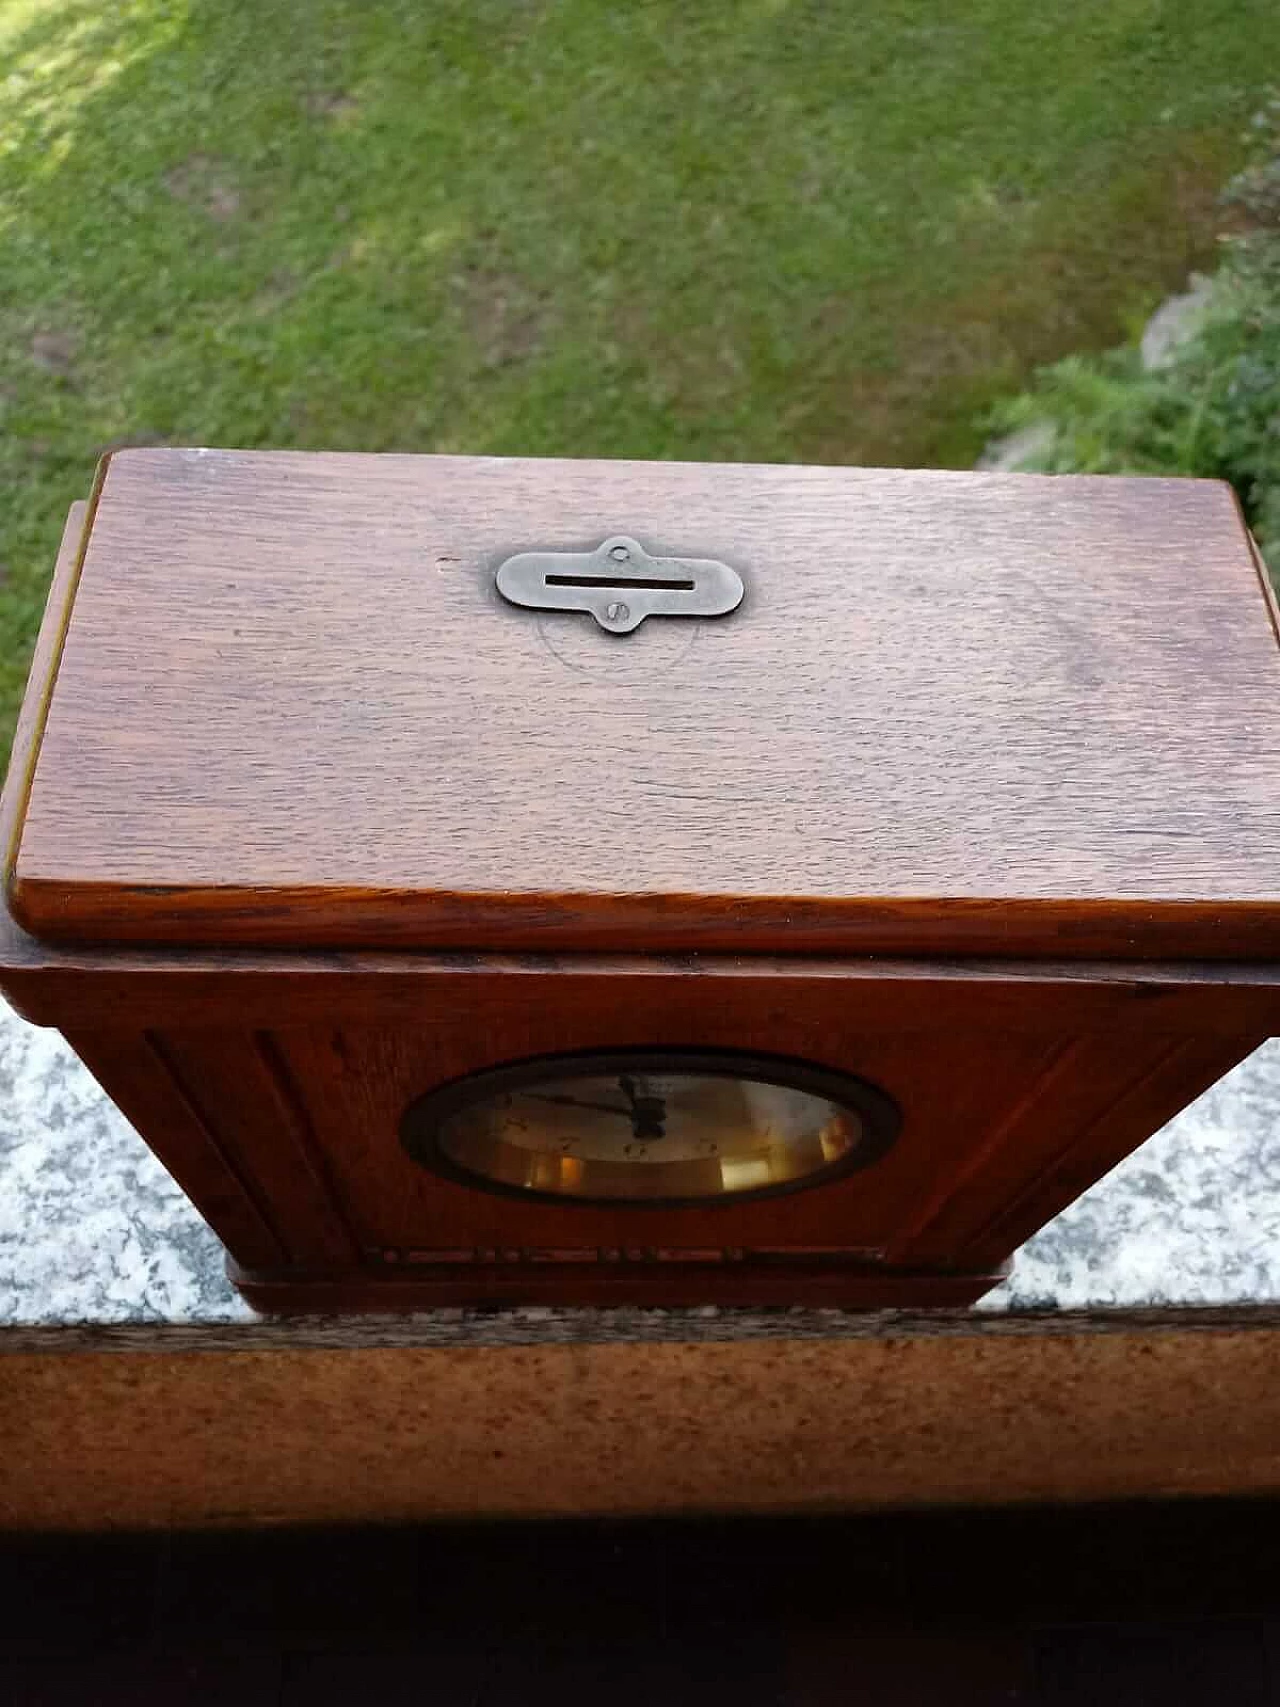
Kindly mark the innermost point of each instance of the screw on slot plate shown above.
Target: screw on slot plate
(590, 581)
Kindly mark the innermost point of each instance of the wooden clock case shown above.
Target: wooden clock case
(973, 797)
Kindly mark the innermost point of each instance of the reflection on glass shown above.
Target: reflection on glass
(637, 1134)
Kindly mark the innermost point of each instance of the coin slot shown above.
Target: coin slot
(620, 584)
(606, 585)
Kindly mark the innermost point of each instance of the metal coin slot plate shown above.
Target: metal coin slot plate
(620, 584)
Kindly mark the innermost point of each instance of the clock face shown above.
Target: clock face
(648, 1126)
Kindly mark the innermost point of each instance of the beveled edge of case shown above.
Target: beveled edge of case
(43, 674)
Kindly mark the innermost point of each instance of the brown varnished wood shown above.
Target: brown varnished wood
(1098, 1096)
(657, 1284)
(1267, 586)
(1190, 1066)
(979, 714)
(54, 985)
(271, 1079)
(27, 730)
(244, 1091)
(999, 1130)
(136, 1071)
(360, 1083)
(73, 985)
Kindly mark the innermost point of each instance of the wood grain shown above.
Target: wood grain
(950, 1090)
(135, 1070)
(779, 1285)
(64, 985)
(1098, 1098)
(502, 1330)
(35, 701)
(975, 713)
(243, 1088)
(999, 1128)
(272, 1081)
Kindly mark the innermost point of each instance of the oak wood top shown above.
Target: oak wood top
(973, 713)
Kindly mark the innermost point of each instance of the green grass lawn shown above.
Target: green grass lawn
(783, 229)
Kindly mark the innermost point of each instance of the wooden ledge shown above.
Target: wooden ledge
(323, 1422)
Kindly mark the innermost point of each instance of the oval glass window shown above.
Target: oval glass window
(648, 1126)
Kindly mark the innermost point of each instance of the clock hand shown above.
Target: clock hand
(648, 1113)
(578, 1102)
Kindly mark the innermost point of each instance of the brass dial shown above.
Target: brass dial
(648, 1126)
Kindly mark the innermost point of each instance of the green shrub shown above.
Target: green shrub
(1214, 410)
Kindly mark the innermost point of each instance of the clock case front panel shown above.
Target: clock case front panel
(1017, 1088)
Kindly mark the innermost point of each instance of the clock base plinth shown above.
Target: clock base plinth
(656, 1285)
